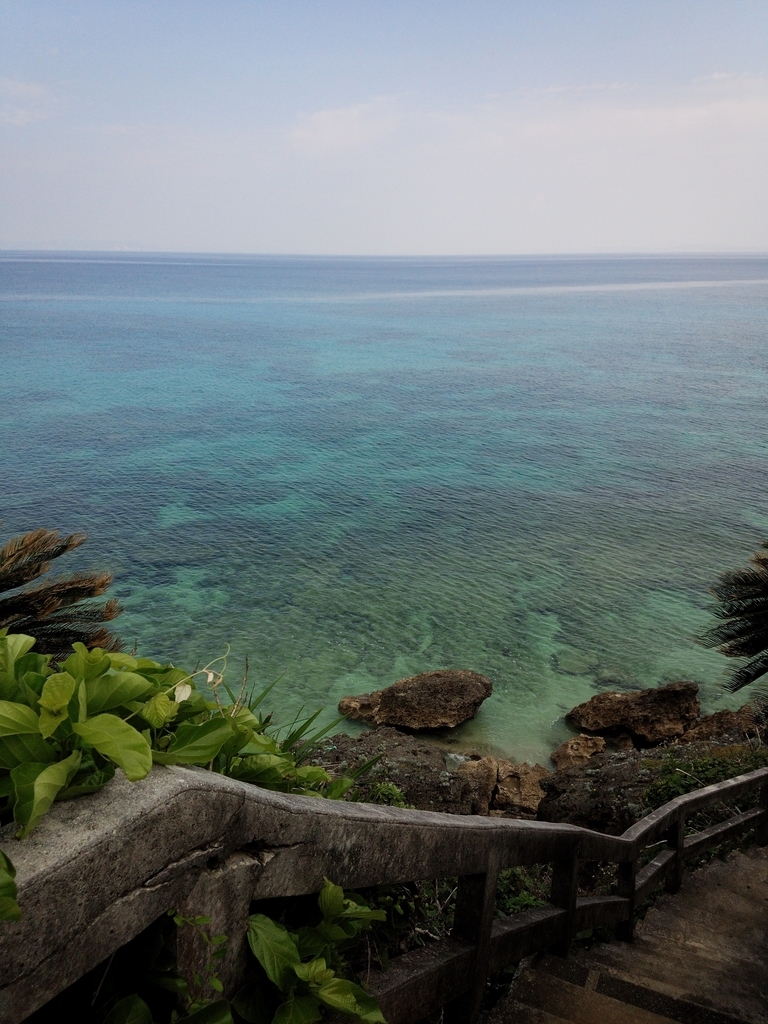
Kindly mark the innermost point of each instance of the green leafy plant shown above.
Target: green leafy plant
(9, 907)
(64, 732)
(523, 888)
(387, 793)
(304, 973)
(681, 772)
(66, 728)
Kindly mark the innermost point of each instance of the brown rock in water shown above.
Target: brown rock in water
(481, 773)
(722, 725)
(432, 700)
(649, 716)
(518, 790)
(577, 750)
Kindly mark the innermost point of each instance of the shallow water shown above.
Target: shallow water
(355, 470)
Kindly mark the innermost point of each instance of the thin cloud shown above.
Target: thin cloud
(22, 103)
(343, 128)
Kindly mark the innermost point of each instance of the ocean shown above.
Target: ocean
(354, 470)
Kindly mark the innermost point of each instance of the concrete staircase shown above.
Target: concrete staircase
(699, 957)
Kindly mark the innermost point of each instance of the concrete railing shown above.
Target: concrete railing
(99, 870)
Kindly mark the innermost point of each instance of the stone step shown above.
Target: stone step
(700, 954)
(576, 1004)
(632, 992)
(518, 1013)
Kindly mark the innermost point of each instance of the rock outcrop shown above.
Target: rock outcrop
(518, 789)
(427, 775)
(482, 774)
(605, 795)
(648, 716)
(432, 700)
(723, 725)
(577, 751)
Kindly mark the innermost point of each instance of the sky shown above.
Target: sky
(386, 127)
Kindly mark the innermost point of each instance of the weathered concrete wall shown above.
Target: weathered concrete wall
(99, 870)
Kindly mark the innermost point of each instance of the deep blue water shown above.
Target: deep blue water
(358, 469)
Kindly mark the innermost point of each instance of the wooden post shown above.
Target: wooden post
(761, 832)
(472, 921)
(675, 840)
(565, 889)
(626, 888)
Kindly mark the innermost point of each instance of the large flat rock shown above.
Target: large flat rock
(649, 716)
(432, 700)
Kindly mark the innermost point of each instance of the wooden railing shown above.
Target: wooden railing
(99, 870)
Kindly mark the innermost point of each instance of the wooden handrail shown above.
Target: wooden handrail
(98, 870)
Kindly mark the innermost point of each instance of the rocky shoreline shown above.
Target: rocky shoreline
(602, 778)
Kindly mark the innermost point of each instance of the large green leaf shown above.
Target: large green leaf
(260, 743)
(36, 786)
(299, 1010)
(33, 683)
(12, 647)
(85, 664)
(347, 998)
(195, 743)
(57, 691)
(311, 775)
(123, 661)
(10, 688)
(131, 1010)
(257, 1001)
(17, 719)
(87, 782)
(316, 972)
(275, 950)
(54, 700)
(9, 908)
(331, 900)
(114, 690)
(214, 1013)
(39, 664)
(159, 710)
(118, 741)
(16, 750)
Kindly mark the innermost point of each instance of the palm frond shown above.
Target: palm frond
(27, 557)
(748, 673)
(743, 612)
(53, 611)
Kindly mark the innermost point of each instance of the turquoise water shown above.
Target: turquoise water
(356, 470)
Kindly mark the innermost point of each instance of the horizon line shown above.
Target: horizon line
(608, 254)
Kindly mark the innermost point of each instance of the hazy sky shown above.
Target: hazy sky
(491, 126)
